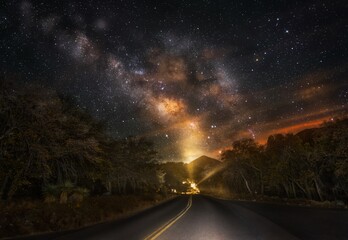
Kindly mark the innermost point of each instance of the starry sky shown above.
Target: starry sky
(192, 76)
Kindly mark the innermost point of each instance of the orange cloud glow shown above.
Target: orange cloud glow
(292, 128)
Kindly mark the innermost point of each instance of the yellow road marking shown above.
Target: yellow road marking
(163, 228)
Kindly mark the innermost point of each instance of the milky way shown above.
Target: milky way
(190, 75)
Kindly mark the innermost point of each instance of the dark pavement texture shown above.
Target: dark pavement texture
(211, 218)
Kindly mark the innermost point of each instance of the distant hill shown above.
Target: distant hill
(204, 161)
(308, 135)
(199, 167)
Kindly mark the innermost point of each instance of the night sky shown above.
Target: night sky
(192, 76)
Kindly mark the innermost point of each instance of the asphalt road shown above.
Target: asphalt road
(208, 218)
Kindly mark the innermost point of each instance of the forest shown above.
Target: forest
(50, 148)
(59, 169)
(312, 164)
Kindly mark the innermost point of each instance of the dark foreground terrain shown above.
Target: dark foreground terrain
(202, 217)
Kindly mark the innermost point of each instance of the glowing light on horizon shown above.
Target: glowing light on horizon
(192, 141)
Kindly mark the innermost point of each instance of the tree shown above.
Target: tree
(134, 166)
(245, 165)
(43, 140)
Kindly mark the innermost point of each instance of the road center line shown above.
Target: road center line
(163, 228)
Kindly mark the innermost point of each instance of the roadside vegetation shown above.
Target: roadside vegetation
(60, 170)
(28, 216)
(311, 165)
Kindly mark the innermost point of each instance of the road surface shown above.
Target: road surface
(201, 217)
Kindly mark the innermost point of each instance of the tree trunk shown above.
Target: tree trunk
(59, 174)
(124, 185)
(262, 185)
(308, 190)
(246, 183)
(301, 188)
(317, 187)
(293, 189)
(260, 176)
(3, 187)
(109, 186)
(286, 189)
(118, 185)
(133, 184)
(12, 190)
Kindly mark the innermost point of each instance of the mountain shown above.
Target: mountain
(307, 135)
(204, 161)
(201, 166)
(327, 129)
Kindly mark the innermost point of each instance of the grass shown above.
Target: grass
(26, 217)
